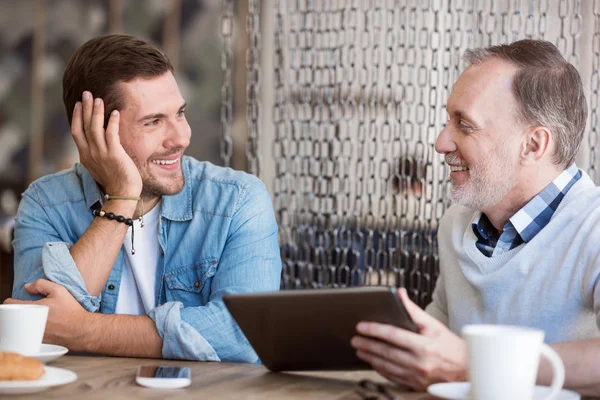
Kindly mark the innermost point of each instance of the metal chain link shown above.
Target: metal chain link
(574, 28)
(562, 42)
(530, 21)
(594, 96)
(226, 148)
(360, 92)
(253, 86)
(281, 146)
(516, 21)
(543, 22)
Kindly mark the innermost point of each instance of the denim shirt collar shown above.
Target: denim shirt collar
(177, 207)
(91, 191)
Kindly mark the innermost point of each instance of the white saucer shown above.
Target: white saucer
(53, 377)
(460, 391)
(49, 352)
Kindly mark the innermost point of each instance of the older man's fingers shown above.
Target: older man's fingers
(420, 317)
(381, 364)
(393, 335)
(391, 372)
(396, 355)
(406, 381)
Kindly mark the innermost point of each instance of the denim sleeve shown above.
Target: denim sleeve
(40, 252)
(250, 262)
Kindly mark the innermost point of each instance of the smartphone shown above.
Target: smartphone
(163, 376)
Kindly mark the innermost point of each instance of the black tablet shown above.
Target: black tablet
(311, 329)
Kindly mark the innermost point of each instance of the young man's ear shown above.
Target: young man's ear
(536, 144)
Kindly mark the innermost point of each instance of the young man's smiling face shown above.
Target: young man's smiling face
(154, 132)
(483, 137)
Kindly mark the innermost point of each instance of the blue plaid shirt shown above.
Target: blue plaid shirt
(528, 221)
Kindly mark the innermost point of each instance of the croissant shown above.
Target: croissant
(15, 367)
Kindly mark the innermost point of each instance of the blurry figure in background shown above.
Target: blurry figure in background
(520, 247)
(373, 255)
(408, 240)
(133, 248)
(408, 179)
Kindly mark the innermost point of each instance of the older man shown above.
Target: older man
(520, 246)
(133, 248)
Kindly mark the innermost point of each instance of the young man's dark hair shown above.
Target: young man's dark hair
(101, 63)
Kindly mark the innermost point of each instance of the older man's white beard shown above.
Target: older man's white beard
(481, 194)
(487, 185)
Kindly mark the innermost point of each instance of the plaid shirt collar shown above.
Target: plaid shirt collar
(528, 221)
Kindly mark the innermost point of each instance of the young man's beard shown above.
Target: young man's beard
(153, 188)
(171, 184)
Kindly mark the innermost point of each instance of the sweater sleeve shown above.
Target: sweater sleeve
(590, 255)
(591, 285)
(438, 308)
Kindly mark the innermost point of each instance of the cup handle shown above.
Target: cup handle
(558, 370)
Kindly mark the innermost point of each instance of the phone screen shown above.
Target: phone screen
(163, 371)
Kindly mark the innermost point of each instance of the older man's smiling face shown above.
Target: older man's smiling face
(482, 139)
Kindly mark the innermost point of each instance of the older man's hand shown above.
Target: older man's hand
(65, 316)
(412, 359)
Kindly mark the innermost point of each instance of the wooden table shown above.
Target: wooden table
(114, 378)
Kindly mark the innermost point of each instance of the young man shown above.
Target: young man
(520, 247)
(152, 289)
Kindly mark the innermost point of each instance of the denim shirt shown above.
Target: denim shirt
(217, 236)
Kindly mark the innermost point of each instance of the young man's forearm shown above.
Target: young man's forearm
(96, 251)
(582, 366)
(118, 335)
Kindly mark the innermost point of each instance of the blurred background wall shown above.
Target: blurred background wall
(50, 31)
(37, 37)
(334, 104)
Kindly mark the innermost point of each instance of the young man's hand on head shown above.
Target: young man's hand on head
(100, 150)
(416, 360)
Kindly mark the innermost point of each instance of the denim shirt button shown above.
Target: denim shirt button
(196, 284)
(111, 287)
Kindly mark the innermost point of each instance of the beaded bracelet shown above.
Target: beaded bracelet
(139, 200)
(118, 218)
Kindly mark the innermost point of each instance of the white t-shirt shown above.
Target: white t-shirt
(137, 294)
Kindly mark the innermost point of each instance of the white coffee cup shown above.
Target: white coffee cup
(22, 327)
(503, 362)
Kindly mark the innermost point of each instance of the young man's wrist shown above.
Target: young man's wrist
(126, 208)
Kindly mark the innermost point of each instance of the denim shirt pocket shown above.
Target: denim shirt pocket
(191, 284)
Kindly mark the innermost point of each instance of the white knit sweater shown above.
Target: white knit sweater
(549, 283)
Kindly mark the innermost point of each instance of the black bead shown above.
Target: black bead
(120, 218)
(110, 215)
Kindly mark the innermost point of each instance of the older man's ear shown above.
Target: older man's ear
(537, 145)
